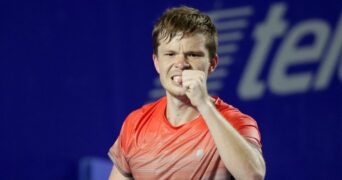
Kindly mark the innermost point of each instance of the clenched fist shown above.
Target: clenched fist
(194, 83)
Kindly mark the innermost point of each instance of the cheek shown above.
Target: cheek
(201, 66)
(165, 67)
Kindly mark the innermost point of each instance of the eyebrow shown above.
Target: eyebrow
(195, 52)
(186, 52)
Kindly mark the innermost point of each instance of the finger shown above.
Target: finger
(194, 75)
(191, 73)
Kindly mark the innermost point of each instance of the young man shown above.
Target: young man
(187, 134)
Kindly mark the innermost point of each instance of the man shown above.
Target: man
(187, 134)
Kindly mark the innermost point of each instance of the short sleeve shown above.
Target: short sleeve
(120, 149)
(248, 128)
(244, 124)
(117, 155)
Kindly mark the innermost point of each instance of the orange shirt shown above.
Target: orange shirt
(149, 147)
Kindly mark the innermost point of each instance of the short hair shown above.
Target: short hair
(188, 21)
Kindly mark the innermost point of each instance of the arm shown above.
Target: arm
(116, 175)
(242, 159)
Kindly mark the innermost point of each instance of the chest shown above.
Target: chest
(159, 152)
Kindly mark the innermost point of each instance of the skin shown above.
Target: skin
(183, 65)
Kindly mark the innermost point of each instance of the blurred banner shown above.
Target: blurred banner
(71, 71)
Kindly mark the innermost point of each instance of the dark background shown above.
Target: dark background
(72, 70)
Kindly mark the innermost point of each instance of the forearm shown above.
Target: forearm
(242, 159)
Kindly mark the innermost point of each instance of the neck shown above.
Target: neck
(179, 110)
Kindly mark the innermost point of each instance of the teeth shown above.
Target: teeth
(177, 79)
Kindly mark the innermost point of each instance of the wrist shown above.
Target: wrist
(205, 105)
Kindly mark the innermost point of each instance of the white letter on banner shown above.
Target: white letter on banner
(330, 62)
(290, 54)
(264, 34)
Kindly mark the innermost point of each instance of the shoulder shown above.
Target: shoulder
(233, 114)
(136, 120)
(243, 123)
(135, 117)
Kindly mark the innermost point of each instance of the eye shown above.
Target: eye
(194, 55)
(169, 54)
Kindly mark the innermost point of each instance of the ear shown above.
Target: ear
(213, 64)
(155, 62)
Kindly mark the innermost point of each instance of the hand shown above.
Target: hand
(195, 86)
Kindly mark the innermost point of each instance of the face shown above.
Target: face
(179, 54)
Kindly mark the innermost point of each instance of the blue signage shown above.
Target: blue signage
(72, 71)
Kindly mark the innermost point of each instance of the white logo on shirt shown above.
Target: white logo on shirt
(200, 153)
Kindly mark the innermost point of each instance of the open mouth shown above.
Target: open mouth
(177, 79)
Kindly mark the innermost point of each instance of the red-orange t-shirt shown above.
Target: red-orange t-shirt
(149, 147)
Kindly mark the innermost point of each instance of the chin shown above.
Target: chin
(179, 92)
(174, 89)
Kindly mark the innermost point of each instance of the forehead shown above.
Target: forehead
(194, 42)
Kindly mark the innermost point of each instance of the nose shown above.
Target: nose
(182, 63)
